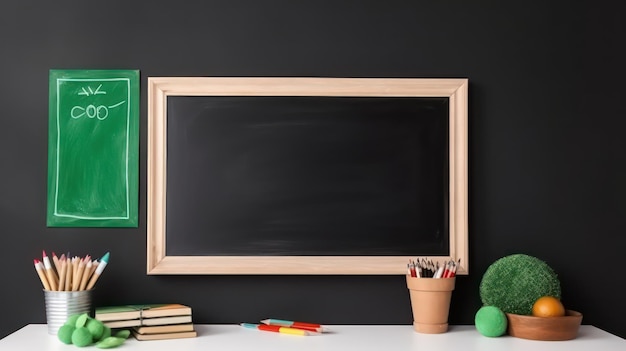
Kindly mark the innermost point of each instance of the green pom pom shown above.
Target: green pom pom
(513, 283)
(65, 333)
(124, 334)
(81, 337)
(72, 320)
(105, 333)
(96, 328)
(110, 342)
(490, 321)
(82, 320)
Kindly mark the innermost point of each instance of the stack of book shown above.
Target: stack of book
(150, 322)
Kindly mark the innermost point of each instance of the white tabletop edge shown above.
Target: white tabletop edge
(337, 337)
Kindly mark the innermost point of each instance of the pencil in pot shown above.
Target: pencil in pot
(50, 274)
(42, 276)
(101, 265)
(69, 273)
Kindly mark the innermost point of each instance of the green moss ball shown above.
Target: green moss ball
(65, 333)
(490, 321)
(96, 328)
(513, 283)
(81, 337)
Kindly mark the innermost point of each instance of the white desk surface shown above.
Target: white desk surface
(339, 337)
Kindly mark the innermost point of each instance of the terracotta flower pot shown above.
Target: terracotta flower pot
(430, 302)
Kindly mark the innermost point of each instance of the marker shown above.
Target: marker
(278, 329)
(42, 276)
(103, 263)
(291, 324)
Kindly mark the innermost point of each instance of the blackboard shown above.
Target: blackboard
(273, 176)
(93, 148)
(342, 175)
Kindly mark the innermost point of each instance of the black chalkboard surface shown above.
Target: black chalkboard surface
(303, 175)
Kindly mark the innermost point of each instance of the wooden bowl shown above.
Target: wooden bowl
(545, 328)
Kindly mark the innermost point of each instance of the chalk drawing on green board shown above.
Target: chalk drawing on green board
(93, 148)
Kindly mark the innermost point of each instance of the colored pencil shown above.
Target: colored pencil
(278, 329)
(103, 263)
(79, 275)
(42, 275)
(62, 274)
(86, 274)
(292, 324)
(57, 263)
(52, 278)
(69, 273)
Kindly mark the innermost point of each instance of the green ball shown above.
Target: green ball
(65, 333)
(513, 283)
(490, 321)
(81, 337)
(96, 328)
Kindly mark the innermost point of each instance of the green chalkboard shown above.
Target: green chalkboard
(93, 147)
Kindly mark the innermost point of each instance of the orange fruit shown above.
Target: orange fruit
(548, 306)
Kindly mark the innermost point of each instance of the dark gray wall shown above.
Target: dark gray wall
(547, 160)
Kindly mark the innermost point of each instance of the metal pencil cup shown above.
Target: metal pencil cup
(60, 305)
(430, 302)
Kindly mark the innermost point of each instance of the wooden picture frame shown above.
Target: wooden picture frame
(160, 88)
